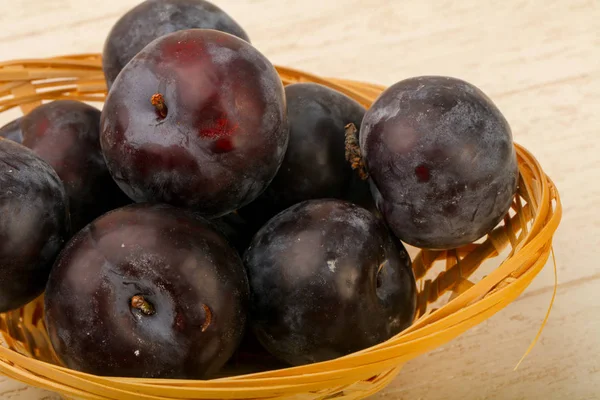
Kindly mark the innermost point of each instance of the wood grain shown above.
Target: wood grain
(539, 61)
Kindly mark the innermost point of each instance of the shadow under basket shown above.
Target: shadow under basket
(458, 288)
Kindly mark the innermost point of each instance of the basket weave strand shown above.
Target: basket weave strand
(523, 242)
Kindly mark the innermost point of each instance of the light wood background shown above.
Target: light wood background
(538, 60)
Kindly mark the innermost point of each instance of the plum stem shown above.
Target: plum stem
(140, 303)
(158, 101)
(353, 154)
(208, 317)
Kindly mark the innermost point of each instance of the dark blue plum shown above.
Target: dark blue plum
(34, 223)
(441, 160)
(65, 134)
(327, 279)
(196, 120)
(155, 18)
(147, 291)
(315, 165)
(13, 131)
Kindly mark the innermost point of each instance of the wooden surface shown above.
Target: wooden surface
(538, 60)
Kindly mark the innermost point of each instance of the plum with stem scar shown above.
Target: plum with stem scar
(147, 291)
(196, 120)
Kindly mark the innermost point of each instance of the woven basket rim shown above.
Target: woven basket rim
(25, 83)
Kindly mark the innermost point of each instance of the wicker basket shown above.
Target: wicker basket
(458, 289)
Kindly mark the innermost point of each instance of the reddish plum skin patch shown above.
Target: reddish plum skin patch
(422, 173)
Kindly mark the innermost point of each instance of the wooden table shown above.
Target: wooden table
(538, 60)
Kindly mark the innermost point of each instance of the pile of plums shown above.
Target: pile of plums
(206, 205)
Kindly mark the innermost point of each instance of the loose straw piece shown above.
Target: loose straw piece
(539, 334)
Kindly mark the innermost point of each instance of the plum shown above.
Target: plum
(441, 159)
(65, 133)
(315, 165)
(13, 131)
(327, 278)
(34, 223)
(154, 18)
(196, 120)
(147, 290)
